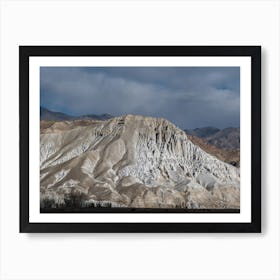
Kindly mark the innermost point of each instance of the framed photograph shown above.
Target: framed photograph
(140, 138)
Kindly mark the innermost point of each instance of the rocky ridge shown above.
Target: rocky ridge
(229, 156)
(227, 138)
(132, 161)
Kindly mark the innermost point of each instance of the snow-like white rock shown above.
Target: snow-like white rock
(135, 161)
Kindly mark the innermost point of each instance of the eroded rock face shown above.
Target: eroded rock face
(132, 161)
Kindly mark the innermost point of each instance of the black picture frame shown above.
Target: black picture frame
(254, 52)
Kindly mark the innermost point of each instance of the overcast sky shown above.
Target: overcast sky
(190, 97)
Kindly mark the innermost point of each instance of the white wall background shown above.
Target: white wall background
(139, 256)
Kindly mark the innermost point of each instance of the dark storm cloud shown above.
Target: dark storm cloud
(187, 96)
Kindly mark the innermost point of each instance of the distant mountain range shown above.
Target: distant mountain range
(227, 138)
(48, 115)
(202, 132)
(231, 156)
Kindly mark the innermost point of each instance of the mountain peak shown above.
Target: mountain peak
(48, 115)
(135, 161)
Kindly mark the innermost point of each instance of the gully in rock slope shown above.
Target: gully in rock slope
(131, 161)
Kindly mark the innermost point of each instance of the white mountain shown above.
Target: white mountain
(132, 161)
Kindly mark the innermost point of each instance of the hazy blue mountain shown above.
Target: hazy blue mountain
(96, 117)
(49, 115)
(227, 138)
(202, 132)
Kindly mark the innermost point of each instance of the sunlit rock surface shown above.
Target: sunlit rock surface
(131, 161)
